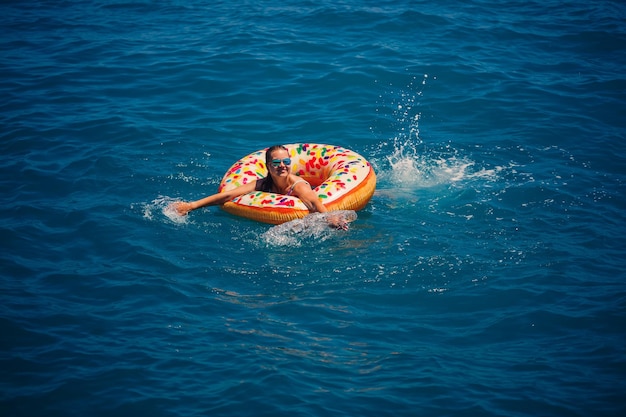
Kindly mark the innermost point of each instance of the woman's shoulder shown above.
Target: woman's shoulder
(294, 178)
(297, 180)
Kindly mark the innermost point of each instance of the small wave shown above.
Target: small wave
(315, 226)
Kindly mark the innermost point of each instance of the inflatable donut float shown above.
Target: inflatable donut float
(342, 179)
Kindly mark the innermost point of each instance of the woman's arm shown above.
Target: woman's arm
(304, 192)
(184, 207)
(311, 200)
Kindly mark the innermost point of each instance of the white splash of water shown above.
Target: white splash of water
(405, 162)
(315, 226)
(163, 205)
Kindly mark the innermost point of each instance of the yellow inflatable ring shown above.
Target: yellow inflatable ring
(342, 179)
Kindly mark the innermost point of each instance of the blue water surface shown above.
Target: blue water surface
(486, 277)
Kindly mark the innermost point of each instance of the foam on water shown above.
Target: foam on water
(312, 227)
(163, 205)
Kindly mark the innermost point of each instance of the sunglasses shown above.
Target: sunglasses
(276, 162)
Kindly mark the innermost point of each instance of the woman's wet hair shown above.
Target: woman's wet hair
(268, 153)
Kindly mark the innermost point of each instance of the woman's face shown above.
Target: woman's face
(280, 164)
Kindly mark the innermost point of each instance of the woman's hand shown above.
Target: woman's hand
(181, 207)
(337, 222)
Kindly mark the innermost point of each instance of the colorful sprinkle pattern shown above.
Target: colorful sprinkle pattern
(333, 171)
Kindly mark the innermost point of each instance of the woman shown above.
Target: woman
(279, 180)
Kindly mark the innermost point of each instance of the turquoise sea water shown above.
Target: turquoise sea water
(486, 277)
